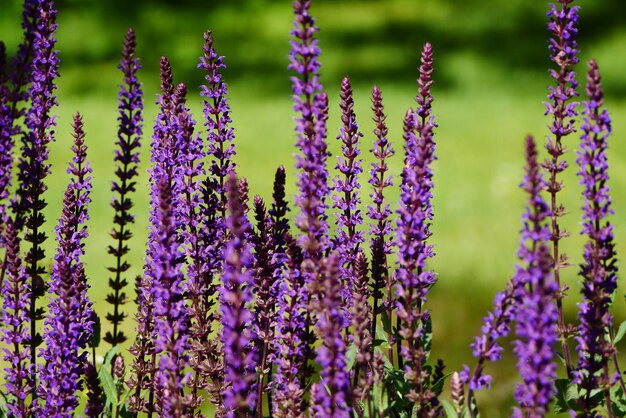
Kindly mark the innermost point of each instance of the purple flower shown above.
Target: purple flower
(170, 315)
(15, 328)
(379, 212)
(290, 353)
(127, 157)
(563, 52)
(496, 325)
(332, 395)
(165, 256)
(13, 99)
(536, 335)
(599, 271)
(69, 323)
(311, 108)
(415, 217)
(346, 186)
(361, 314)
(265, 293)
(217, 119)
(164, 161)
(240, 356)
(33, 167)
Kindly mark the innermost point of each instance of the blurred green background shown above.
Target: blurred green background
(490, 81)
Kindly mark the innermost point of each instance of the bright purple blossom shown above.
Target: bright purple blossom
(16, 328)
(379, 212)
(290, 353)
(220, 134)
(311, 108)
(240, 355)
(13, 99)
(535, 291)
(332, 395)
(496, 325)
(536, 335)
(33, 167)
(563, 52)
(346, 197)
(69, 323)
(415, 217)
(599, 271)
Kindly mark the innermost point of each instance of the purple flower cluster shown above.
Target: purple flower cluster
(564, 53)
(346, 187)
(16, 327)
(259, 322)
(415, 215)
(599, 271)
(240, 356)
(217, 119)
(69, 324)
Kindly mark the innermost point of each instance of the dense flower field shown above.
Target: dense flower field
(241, 313)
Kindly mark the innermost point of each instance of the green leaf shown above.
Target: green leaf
(109, 356)
(386, 321)
(449, 409)
(566, 394)
(620, 332)
(108, 385)
(351, 356)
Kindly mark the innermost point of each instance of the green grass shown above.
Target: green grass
(490, 82)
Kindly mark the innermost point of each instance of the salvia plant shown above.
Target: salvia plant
(244, 311)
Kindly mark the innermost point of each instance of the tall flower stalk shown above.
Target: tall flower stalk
(346, 187)
(379, 213)
(497, 324)
(127, 157)
(599, 270)
(563, 49)
(69, 324)
(332, 395)
(240, 355)
(13, 100)
(217, 120)
(311, 108)
(16, 328)
(33, 167)
(163, 160)
(415, 217)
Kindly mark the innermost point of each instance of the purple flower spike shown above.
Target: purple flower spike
(332, 395)
(536, 333)
(311, 107)
(563, 52)
(599, 271)
(13, 100)
(415, 217)
(346, 187)
(496, 325)
(164, 159)
(379, 212)
(33, 167)
(240, 356)
(361, 312)
(69, 323)
(127, 157)
(290, 351)
(15, 328)
(217, 119)
(170, 315)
